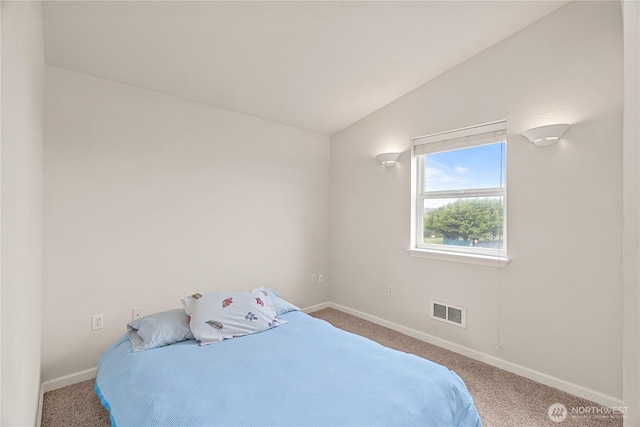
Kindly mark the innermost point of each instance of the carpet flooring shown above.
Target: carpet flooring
(503, 399)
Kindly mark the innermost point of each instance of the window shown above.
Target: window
(460, 195)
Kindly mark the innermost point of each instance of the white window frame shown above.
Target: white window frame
(458, 139)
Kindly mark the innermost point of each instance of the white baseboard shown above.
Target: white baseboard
(70, 379)
(39, 413)
(316, 307)
(88, 374)
(505, 365)
(523, 371)
(57, 383)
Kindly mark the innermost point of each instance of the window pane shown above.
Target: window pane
(474, 167)
(475, 222)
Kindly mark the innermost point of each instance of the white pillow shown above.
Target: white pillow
(222, 315)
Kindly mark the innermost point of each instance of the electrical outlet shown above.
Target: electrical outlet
(320, 278)
(136, 313)
(97, 322)
(313, 277)
(390, 290)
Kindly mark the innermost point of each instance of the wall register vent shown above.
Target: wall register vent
(449, 313)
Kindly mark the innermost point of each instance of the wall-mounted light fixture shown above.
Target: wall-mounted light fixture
(545, 135)
(388, 159)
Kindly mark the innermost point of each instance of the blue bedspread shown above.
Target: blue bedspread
(303, 373)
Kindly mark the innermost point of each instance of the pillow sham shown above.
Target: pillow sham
(159, 329)
(281, 305)
(218, 316)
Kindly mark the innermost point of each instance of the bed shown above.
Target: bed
(305, 372)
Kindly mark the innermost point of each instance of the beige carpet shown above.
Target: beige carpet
(502, 398)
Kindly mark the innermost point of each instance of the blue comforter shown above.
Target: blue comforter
(303, 373)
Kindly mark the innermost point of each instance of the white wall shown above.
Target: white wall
(148, 198)
(556, 308)
(21, 177)
(631, 212)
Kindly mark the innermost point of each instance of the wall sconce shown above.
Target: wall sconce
(388, 159)
(545, 135)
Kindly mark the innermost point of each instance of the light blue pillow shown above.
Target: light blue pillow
(159, 329)
(281, 305)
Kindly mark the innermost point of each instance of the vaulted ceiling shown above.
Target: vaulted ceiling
(319, 66)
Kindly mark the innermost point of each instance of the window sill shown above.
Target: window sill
(488, 261)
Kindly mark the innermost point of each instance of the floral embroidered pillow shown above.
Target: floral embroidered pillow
(280, 305)
(222, 315)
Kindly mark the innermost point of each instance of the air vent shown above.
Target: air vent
(439, 311)
(449, 313)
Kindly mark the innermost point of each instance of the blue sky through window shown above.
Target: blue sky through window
(467, 168)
